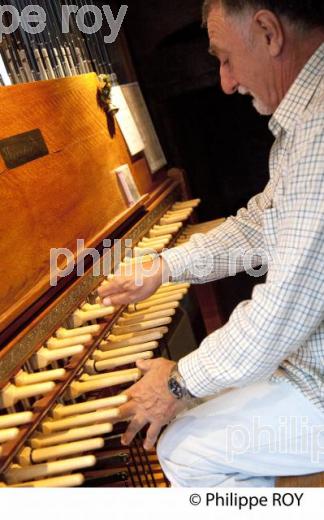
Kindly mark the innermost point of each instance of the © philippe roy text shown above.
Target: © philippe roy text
(89, 19)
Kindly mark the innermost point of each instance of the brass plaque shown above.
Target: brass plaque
(23, 148)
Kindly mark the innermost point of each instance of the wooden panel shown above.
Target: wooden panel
(20, 346)
(71, 193)
(314, 480)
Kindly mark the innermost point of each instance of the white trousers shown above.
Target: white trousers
(244, 438)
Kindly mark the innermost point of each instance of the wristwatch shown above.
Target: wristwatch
(177, 386)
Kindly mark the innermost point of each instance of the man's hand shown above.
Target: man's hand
(150, 401)
(134, 282)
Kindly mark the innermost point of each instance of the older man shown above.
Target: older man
(261, 376)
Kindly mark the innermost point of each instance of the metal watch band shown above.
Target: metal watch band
(177, 385)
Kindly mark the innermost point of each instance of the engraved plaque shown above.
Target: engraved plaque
(23, 148)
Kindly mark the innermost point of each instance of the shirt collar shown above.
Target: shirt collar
(300, 93)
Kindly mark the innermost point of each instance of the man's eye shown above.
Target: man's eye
(224, 63)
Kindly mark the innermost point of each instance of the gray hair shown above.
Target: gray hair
(304, 13)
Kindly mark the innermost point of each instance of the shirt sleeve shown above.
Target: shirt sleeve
(284, 312)
(221, 252)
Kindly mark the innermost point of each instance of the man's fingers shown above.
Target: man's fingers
(144, 364)
(152, 435)
(113, 287)
(127, 410)
(117, 284)
(121, 293)
(136, 424)
(123, 298)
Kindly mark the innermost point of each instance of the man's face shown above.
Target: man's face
(244, 67)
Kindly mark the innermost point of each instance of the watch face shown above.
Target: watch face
(175, 388)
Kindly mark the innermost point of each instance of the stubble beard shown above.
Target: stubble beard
(259, 106)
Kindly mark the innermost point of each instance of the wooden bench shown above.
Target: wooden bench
(313, 480)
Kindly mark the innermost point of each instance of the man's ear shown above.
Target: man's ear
(266, 25)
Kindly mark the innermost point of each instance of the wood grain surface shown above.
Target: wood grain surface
(70, 193)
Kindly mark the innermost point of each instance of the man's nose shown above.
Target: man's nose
(229, 84)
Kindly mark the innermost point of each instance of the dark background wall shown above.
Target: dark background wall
(221, 142)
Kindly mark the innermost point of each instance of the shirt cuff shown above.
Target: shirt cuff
(176, 259)
(198, 380)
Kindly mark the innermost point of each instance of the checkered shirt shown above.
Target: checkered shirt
(279, 333)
